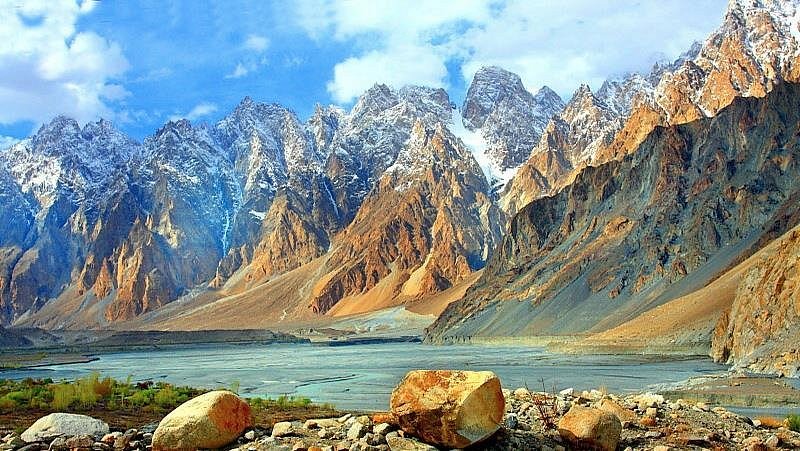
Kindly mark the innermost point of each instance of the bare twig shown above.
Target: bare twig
(546, 406)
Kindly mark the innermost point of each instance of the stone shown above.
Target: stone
(384, 417)
(662, 448)
(651, 412)
(567, 392)
(80, 442)
(754, 444)
(586, 427)
(646, 400)
(250, 435)
(772, 441)
(328, 422)
(282, 429)
(453, 409)
(397, 443)
(511, 421)
(33, 447)
(59, 443)
(344, 417)
(522, 393)
(111, 437)
(211, 420)
(702, 406)
(364, 419)
(614, 407)
(382, 428)
(64, 424)
(356, 431)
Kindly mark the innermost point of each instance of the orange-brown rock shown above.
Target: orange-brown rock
(611, 406)
(429, 223)
(632, 234)
(209, 421)
(454, 409)
(754, 50)
(590, 429)
(761, 328)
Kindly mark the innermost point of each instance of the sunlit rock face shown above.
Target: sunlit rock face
(633, 233)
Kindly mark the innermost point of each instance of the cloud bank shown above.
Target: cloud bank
(559, 44)
(47, 67)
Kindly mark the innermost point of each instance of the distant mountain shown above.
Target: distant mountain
(509, 119)
(533, 216)
(662, 211)
(576, 136)
(634, 233)
(103, 229)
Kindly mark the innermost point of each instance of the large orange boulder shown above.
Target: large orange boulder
(209, 421)
(452, 409)
(588, 428)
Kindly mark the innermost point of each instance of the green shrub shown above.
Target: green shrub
(142, 398)
(235, 385)
(794, 422)
(63, 396)
(7, 404)
(166, 397)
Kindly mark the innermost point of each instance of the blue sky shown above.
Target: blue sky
(142, 63)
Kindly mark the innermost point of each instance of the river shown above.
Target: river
(361, 377)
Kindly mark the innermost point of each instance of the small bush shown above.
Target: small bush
(63, 397)
(142, 398)
(770, 422)
(166, 397)
(794, 422)
(7, 404)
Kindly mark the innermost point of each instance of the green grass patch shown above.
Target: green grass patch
(794, 421)
(91, 392)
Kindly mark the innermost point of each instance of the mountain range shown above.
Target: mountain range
(515, 214)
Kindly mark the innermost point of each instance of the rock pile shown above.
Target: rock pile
(430, 406)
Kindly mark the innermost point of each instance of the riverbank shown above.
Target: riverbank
(649, 420)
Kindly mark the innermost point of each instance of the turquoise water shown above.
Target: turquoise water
(362, 376)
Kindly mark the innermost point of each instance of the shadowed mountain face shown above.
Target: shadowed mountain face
(631, 234)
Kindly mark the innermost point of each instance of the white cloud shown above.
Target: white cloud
(7, 141)
(239, 72)
(560, 44)
(403, 42)
(395, 66)
(256, 43)
(200, 110)
(154, 75)
(49, 67)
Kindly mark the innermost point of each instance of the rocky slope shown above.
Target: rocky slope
(757, 46)
(427, 224)
(760, 329)
(634, 233)
(509, 119)
(587, 124)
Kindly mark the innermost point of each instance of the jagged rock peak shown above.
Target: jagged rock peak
(376, 99)
(582, 99)
(57, 129)
(490, 85)
(174, 129)
(545, 95)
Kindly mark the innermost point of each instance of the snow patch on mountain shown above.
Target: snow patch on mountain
(496, 176)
